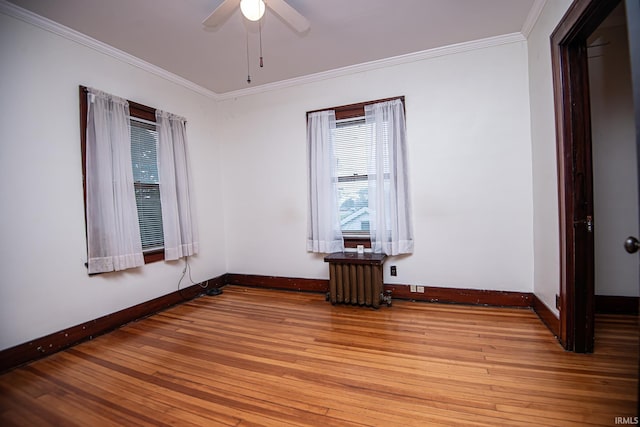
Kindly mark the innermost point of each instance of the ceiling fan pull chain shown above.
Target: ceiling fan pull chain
(261, 62)
(248, 68)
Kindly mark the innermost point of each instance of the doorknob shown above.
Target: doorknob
(631, 245)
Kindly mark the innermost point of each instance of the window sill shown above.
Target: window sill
(354, 241)
(154, 256)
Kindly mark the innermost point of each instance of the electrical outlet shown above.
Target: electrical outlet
(394, 270)
(412, 288)
(420, 289)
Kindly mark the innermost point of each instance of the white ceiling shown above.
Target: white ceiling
(169, 33)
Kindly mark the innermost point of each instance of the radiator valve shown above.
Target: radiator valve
(386, 297)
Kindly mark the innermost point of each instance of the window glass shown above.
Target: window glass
(351, 149)
(144, 160)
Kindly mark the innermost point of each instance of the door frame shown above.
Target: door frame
(575, 178)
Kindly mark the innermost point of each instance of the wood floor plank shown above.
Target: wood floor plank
(121, 395)
(259, 357)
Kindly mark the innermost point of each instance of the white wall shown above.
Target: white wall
(470, 169)
(615, 169)
(546, 274)
(44, 286)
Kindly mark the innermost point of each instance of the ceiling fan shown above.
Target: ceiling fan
(254, 10)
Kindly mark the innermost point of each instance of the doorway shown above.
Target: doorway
(615, 169)
(570, 63)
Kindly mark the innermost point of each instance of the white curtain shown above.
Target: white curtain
(324, 234)
(113, 233)
(178, 222)
(389, 204)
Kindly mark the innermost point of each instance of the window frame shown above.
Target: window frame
(353, 111)
(135, 110)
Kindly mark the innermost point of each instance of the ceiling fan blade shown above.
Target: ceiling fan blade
(221, 14)
(289, 15)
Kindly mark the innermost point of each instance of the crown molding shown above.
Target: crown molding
(382, 63)
(532, 17)
(41, 22)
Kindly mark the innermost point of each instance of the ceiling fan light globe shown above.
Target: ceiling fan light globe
(253, 10)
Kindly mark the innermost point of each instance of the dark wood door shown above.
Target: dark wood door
(633, 29)
(575, 178)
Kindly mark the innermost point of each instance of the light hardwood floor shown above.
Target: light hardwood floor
(262, 357)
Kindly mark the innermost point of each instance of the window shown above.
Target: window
(144, 159)
(351, 151)
(352, 140)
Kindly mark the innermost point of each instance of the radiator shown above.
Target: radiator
(356, 279)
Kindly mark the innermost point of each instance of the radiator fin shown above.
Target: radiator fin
(356, 284)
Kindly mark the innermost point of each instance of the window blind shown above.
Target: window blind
(352, 151)
(144, 159)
